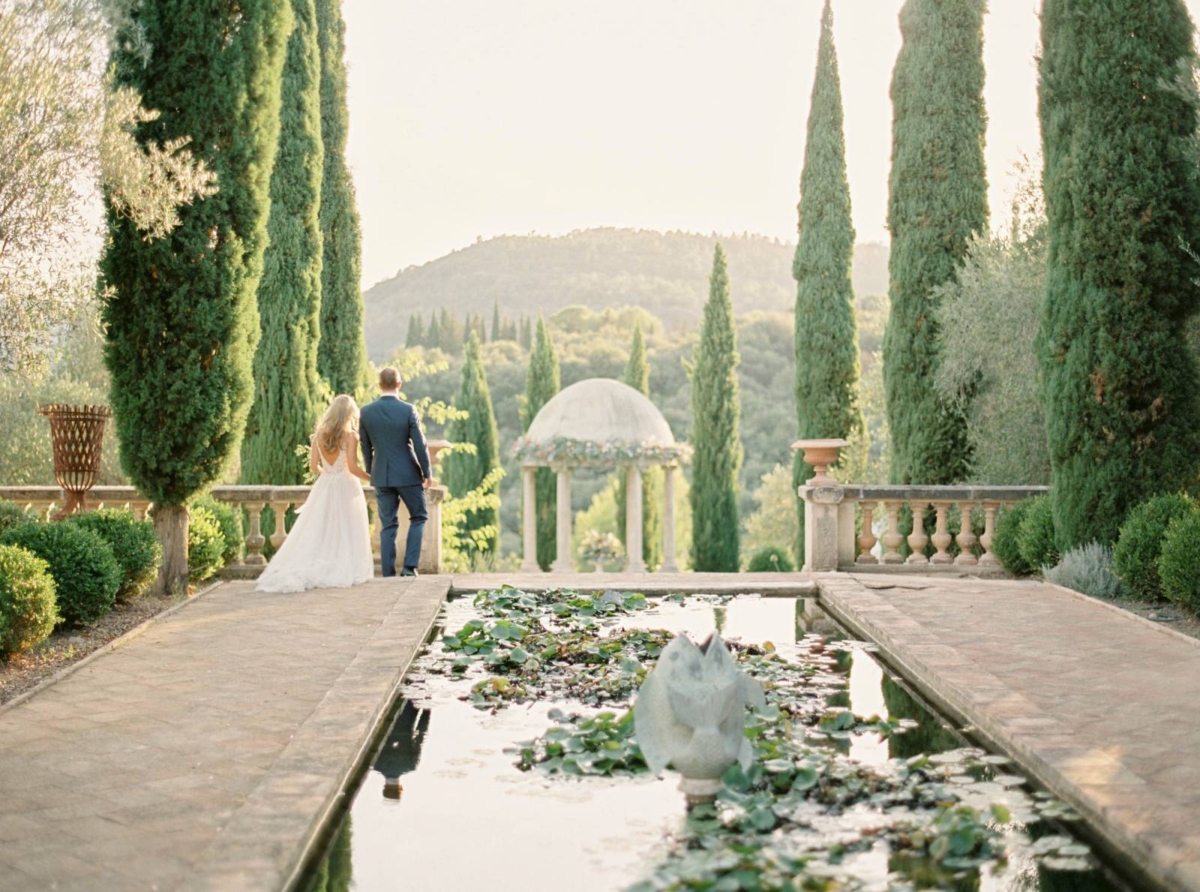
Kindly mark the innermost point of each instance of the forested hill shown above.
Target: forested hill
(664, 273)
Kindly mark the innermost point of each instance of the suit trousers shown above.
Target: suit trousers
(387, 501)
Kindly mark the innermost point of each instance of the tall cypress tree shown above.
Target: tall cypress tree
(433, 334)
(181, 318)
(343, 351)
(541, 384)
(416, 331)
(497, 331)
(1119, 116)
(826, 330)
(938, 200)
(637, 376)
(286, 382)
(464, 471)
(715, 437)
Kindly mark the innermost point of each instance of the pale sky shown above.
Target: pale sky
(486, 117)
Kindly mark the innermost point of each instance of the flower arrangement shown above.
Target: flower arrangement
(597, 548)
(592, 453)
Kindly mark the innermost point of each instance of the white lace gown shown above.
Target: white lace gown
(329, 545)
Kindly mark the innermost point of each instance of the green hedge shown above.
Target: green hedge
(86, 575)
(1178, 568)
(229, 519)
(206, 545)
(1005, 541)
(770, 560)
(1136, 556)
(1036, 538)
(133, 544)
(12, 514)
(28, 609)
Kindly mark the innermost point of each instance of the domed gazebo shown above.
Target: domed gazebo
(600, 423)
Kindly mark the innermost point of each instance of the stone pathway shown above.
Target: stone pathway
(205, 753)
(1099, 705)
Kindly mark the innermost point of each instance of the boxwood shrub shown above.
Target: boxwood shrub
(770, 560)
(1135, 557)
(206, 545)
(12, 514)
(28, 609)
(86, 575)
(133, 544)
(229, 519)
(1004, 541)
(1035, 538)
(1178, 568)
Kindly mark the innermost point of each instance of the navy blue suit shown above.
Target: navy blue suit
(395, 455)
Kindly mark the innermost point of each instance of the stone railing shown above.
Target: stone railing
(254, 499)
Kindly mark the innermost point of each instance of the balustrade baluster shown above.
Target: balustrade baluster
(893, 539)
(917, 540)
(867, 540)
(255, 539)
(280, 533)
(966, 538)
(941, 535)
(987, 559)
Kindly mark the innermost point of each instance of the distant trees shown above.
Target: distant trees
(938, 201)
(541, 384)
(182, 323)
(342, 358)
(286, 382)
(466, 471)
(827, 356)
(1119, 119)
(637, 376)
(446, 333)
(716, 410)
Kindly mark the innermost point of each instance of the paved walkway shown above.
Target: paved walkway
(1102, 707)
(204, 753)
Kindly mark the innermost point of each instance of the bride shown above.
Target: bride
(329, 545)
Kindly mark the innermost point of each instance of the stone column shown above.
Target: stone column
(562, 558)
(822, 527)
(633, 520)
(529, 562)
(669, 563)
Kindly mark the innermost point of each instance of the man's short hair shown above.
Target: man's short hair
(389, 378)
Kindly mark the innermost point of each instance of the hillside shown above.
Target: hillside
(664, 273)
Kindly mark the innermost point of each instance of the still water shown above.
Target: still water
(444, 808)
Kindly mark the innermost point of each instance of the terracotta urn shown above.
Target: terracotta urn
(436, 447)
(821, 454)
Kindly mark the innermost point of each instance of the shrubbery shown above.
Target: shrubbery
(1178, 567)
(1136, 555)
(1035, 538)
(12, 514)
(86, 575)
(1087, 569)
(1005, 543)
(206, 544)
(28, 609)
(133, 544)
(770, 560)
(229, 519)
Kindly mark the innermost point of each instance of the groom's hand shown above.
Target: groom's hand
(426, 483)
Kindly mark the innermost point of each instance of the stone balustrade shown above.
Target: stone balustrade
(254, 499)
(831, 519)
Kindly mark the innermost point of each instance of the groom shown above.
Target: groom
(395, 456)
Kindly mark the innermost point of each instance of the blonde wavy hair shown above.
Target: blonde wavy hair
(339, 419)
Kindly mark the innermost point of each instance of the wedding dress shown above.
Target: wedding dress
(329, 545)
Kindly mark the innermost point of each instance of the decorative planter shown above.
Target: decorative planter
(77, 433)
(436, 448)
(821, 454)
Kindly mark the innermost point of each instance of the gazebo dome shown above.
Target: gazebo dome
(600, 410)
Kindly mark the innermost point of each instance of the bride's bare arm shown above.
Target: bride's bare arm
(314, 463)
(351, 445)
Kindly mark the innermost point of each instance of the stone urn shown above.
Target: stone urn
(821, 454)
(436, 448)
(77, 434)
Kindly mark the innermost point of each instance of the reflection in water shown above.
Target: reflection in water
(401, 752)
(335, 873)
(931, 735)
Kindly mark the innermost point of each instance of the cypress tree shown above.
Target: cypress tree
(433, 335)
(1119, 115)
(715, 438)
(416, 331)
(342, 359)
(938, 200)
(286, 382)
(526, 333)
(181, 318)
(497, 330)
(541, 384)
(465, 472)
(637, 376)
(826, 330)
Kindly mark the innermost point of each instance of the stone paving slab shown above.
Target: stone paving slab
(783, 584)
(207, 752)
(1099, 705)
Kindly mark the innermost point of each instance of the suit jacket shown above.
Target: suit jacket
(394, 451)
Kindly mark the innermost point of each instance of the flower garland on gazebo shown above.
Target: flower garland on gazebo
(599, 454)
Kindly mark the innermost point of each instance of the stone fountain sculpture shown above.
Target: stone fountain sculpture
(690, 713)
